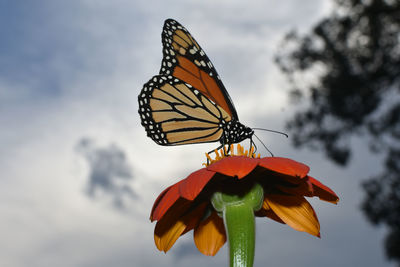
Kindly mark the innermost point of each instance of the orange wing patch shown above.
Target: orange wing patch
(189, 73)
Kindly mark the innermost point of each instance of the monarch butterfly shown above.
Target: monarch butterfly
(187, 102)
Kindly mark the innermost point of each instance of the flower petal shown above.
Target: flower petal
(304, 188)
(176, 222)
(168, 238)
(209, 236)
(194, 183)
(295, 211)
(170, 227)
(196, 215)
(235, 166)
(323, 192)
(272, 215)
(160, 196)
(266, 211)
(166, 199)
(285, 166)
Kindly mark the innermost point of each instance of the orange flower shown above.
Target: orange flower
(186, 205)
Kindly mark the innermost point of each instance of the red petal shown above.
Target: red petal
(304, 188)
(194, 183)
(160, 196)
(235, 166)
(323, 192)
(166, 199)
(285, 166)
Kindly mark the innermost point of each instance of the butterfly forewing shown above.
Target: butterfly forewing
(183, 58)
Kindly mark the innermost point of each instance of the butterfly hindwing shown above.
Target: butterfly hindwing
(173, 112)
(184, 59)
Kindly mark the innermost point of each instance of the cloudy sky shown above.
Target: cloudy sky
(78, 174)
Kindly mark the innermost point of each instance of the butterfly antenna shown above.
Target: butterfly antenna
(272, 131)
(264, 145)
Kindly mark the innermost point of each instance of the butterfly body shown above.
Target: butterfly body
(187, 102)
(235, 132)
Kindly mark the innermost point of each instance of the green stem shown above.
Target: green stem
(239, 224)
(238, 214)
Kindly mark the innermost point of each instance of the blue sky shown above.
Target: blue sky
(70, 73)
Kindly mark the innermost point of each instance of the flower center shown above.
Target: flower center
(223, 153)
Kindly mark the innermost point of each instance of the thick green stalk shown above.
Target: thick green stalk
(238, 214)
(239, 224)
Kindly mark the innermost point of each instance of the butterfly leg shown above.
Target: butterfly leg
(226, 152)
(229, 149)
(252, 144)
(213, 151)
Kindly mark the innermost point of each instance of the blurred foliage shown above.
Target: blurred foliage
(382, 202)
(345, 75)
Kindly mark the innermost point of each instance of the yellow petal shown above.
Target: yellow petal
(209, 235)
(295, 211)
(176, 222)
(265, 205)
(266, 211)
(167, 232)
(171, 225)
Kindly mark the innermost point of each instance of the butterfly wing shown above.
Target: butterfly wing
(175, 113)
(184, 59)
